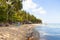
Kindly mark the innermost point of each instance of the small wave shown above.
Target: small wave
(42, 33)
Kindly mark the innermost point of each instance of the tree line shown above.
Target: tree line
(11, 11)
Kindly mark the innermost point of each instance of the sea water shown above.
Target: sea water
(49, 31)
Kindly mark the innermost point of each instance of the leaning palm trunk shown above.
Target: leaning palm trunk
(18, 33)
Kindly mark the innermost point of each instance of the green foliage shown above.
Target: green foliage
(10, 10)
(24, 16)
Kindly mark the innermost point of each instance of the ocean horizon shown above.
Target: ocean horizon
(49, 31)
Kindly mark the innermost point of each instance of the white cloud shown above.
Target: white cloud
(39, 10)
(32, 7)
(29, 4)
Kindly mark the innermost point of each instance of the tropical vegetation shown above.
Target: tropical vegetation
(11, 11)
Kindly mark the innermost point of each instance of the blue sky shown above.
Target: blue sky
(47, 10)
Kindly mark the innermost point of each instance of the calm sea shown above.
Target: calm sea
(49, 31)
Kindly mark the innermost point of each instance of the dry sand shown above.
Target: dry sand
(24, 32)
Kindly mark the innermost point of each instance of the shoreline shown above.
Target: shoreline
(19, 33)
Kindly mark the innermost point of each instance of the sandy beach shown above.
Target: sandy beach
(24, 32)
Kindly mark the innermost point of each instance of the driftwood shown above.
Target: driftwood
(26, 32)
